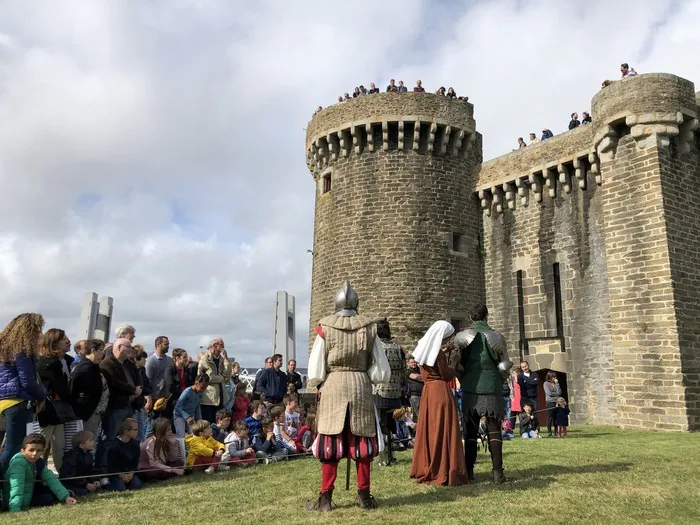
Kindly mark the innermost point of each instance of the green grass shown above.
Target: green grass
(598, 475)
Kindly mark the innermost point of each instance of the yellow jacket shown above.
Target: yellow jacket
(201, 446)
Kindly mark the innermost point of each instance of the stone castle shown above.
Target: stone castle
(585, 247)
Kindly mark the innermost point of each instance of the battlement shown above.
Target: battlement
(420, 122)
(651, 107)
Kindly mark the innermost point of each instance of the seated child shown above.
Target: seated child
(123, 456)
(238, 449)
(291, 415)
(188, 408)
(241, 404)
(561, 418)
(281, 436)
(506, 429)
(223, 425)
(159, 457)
(204, 452)
(529, 427)
(265, 444)
(28, 482)
(78, 463)
(253, 421)
(307, 434)
(403, 435)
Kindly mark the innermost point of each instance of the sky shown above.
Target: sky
(154, 151)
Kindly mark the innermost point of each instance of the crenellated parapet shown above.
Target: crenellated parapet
(545, 169)
(654, 109)
(422, 123)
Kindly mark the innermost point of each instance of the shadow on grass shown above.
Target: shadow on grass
(518, 480)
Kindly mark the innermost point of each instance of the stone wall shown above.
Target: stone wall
(681, 193)
(565, 229)
(401, 188)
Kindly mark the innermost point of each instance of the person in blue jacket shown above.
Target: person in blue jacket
(20, 391)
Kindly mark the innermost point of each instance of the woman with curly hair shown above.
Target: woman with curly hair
(54, 372)
(20, 390)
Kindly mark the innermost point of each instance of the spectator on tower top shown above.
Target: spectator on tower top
(546, 134)
(340, 99)
(574, 123)
(392, 87)
(440, 92)
(533, 139)
(402, 88)
(356, 93)
(373, 88)
(346, 97)
(363, 91)
(451, 93)
(419, 87)
(627, 71)
(586, 118)
(521, 143)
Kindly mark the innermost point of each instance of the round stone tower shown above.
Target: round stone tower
(395, 210)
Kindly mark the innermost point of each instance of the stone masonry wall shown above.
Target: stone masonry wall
(566, 229)
(681, 196)
(388, 221)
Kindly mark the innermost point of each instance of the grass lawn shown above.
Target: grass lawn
(598, 475)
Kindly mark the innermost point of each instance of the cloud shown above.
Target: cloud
(156, 154)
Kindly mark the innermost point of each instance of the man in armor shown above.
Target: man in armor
(346, 359)
(485, 365)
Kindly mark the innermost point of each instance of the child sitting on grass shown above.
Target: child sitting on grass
(238, 450)
(78, 463)
(291, 415)
(188, 407)
(204, 452)
(281, 436)
(403, 435)
(307, 434)
(254, 420)
(529, 427)
(265, 444)
(561, 418)
(28, 481)
(123, 457)
(223, 425)
(159, 453)
(241, 404)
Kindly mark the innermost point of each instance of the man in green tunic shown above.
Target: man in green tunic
(484, 365)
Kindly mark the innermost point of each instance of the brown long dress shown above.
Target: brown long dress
(438, 453)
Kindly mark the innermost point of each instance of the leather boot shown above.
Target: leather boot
(498, 476)
(324, 503)
(471, 449)
(367, 501)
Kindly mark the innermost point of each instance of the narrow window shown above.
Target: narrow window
(558, 306)
(521, 314)
(327, 183)
(456, 242)
(458, 324)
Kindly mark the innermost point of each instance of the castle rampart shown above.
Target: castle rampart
(585, 246)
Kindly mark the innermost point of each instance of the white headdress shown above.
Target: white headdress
(428, 347)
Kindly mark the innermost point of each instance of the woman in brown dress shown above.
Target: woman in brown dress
(438, 454)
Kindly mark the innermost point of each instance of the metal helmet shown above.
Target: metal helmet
(346, 301)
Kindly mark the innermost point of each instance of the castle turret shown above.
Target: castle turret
(395, 213)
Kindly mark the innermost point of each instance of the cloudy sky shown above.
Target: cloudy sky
(154, 151)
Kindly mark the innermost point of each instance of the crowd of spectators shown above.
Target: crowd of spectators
(625, 71)
(114, 418)
(393, 87)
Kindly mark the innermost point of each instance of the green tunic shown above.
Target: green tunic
(480, 380)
